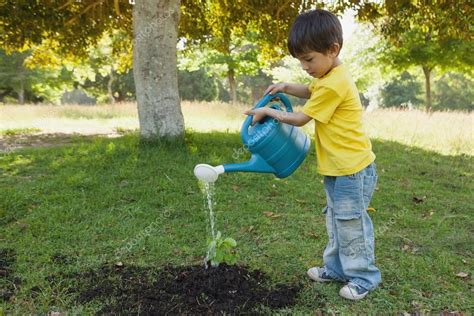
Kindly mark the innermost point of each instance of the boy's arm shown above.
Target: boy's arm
(295, 89)
(292, 118)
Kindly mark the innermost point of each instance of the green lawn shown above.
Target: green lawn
(71, 208)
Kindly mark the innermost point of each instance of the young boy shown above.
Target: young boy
(343, 150)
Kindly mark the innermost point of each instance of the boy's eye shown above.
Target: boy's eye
(308, 59)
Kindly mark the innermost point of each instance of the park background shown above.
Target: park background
(83, 176)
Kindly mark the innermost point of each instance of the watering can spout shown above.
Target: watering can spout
(208, 173)
(255, 164)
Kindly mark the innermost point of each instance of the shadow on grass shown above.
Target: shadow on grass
(95, 196)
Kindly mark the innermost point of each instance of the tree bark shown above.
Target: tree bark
(427, 72)
(232, 85)
(110, 83)
(21, 92)
(155, 24)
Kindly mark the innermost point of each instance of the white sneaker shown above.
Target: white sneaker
(353, 292)
(319, 274)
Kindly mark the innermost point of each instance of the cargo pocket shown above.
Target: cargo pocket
(350, 235)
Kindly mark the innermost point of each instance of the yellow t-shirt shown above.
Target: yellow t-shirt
(342, 147)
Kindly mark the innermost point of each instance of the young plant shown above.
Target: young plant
(222, 250)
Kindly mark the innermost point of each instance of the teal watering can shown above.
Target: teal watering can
(276, 147)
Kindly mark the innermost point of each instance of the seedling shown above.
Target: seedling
(221, 250)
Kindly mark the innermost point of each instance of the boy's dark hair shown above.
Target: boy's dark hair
(315, 30)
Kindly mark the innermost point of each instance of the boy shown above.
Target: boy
(344, 152)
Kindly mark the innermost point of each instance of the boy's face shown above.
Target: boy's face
(317, 64)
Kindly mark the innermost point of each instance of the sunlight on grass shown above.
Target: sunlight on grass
(442, 132)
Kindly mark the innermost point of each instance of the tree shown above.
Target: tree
(14, 76)
(428, 34)
(19, 79)
(241, 35)
(76, 25)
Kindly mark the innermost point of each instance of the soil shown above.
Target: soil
(131, 290)
(8, 282)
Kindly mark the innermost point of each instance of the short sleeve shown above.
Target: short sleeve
(322, 104)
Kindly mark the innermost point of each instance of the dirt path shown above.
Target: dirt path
(9, 143)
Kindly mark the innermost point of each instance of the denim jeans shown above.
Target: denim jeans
(349, 254)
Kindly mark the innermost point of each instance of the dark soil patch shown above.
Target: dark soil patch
(8, 282)
(177, 290)
(61, 259)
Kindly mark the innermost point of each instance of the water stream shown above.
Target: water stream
(208, 191)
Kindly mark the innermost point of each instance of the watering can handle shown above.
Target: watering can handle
(244, 132)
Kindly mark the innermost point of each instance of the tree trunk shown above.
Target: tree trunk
(232, 85)
(427, 72)
(155, 24)
(110, 83)
(21, 93)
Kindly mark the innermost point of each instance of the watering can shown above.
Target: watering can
(276, 147)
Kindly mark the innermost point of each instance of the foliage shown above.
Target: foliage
(197, 85)
(75, 25)
(403, 91)
(428, 34)
(33, 84)
(454, 91)
(222, 250)
(360, 55)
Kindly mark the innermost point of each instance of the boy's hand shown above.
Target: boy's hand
(258, 114)
(274, 88)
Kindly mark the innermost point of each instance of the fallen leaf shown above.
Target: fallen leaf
(462, 275)
(370, 209)
(22, 225)
(247, 229)
(235, 188)
(119, 264)
(313, 234)
(428, 215)
(418, 199)
(271, 214)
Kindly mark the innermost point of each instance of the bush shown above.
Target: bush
(197, 85)
(402, 92)
(453, 91)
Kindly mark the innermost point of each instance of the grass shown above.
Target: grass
(448, 133)
(107, 200)
(19, 131)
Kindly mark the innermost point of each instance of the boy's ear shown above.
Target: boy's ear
(334, 50)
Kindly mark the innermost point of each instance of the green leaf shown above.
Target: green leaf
(231, 242)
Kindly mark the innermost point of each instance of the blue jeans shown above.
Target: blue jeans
(349, 254)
